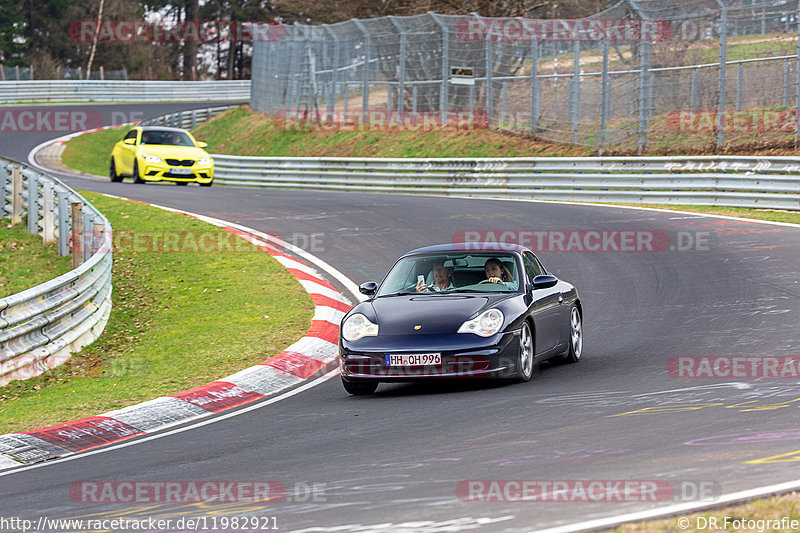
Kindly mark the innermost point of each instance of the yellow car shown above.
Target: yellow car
(152, 153)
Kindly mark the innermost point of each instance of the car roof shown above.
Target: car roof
(469, 247)
(162, 128)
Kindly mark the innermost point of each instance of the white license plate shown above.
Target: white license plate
(180, 171)
(414, 359)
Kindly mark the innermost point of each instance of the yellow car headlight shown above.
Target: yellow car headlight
(204, 161)
(151, 158)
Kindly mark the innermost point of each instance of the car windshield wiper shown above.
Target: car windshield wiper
(401, 293)
(467, 290)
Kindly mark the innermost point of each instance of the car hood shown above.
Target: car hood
(173, 152)
(435, 314)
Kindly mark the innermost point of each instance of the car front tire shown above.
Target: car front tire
(206, 184)
(359, 388)
(136, 177)
(112, 172)
(525, 363)
(575, 350)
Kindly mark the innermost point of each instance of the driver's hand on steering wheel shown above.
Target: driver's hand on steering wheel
(495, 280)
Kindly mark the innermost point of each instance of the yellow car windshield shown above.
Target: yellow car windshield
(168, 138)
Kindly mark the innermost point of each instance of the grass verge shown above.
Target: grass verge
(25, 260)
(762, 509)
(91, 152)
(179, 320)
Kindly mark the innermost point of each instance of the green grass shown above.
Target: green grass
(91, 153)
(773, 215)
(25, 260)
(179, 320)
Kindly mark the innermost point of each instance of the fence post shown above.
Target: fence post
(48, 221)
(489, 75)
(644, 64)
(787, 67)
(365, 81)
(576, 89)
(504, 104)
(723, 60)
(445, 66)
(76, 210)
(797, 85)
(3, 187)
(62, 204)
(414, 98)
(535, 94)
(605, 97)
(33, 203)
(739, 86)
(401, 80)
(331, 103)
(16, 195)
(693, 91)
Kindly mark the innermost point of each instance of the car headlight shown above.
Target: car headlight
(151, 158)
(204, 161)
(486, 324)
(357, 326)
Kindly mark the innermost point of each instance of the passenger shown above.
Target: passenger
(497, 272)
(442, 279)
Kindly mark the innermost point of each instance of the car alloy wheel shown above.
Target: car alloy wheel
(573, 354)
(525, 358)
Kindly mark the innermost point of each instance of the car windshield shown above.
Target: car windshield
(452, 272)
(168, 138)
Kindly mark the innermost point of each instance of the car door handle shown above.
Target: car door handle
(560, 299)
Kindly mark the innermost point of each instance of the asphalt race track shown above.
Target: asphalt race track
(399, 460)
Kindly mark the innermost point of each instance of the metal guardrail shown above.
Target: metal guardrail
(122, 91)
(730, 181)
(186, 119)
(41, 326)
(700, 180)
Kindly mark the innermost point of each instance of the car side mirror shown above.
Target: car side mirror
(202, 144)
(129, 141)
(369, 288)
(544, 282)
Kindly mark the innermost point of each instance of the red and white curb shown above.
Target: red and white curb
(312, 356)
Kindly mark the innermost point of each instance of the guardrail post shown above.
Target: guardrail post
(194, 119)
(33, 203)
(16, 195)
(86, 234)
(98, 234)
(48, 217)
(62, 204)
(77, 231)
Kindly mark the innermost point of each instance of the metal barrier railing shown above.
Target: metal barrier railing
(730, 181)
(186, 119)
(122, 91)
(699, 180)
(41, 326)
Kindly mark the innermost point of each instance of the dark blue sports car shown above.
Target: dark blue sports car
(465, 310)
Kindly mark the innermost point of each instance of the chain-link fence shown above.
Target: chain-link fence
(643, 75)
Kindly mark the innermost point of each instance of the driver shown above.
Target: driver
(497, 272)
(442, 279)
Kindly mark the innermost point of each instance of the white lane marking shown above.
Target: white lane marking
(682, 508)
(139, 440)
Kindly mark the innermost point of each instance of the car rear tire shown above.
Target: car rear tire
(136, 177)
(360, 388)
(525, 365)
(112, 172)
(575, 350)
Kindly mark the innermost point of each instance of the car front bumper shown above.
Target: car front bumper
(163, 172)
(497, 359)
